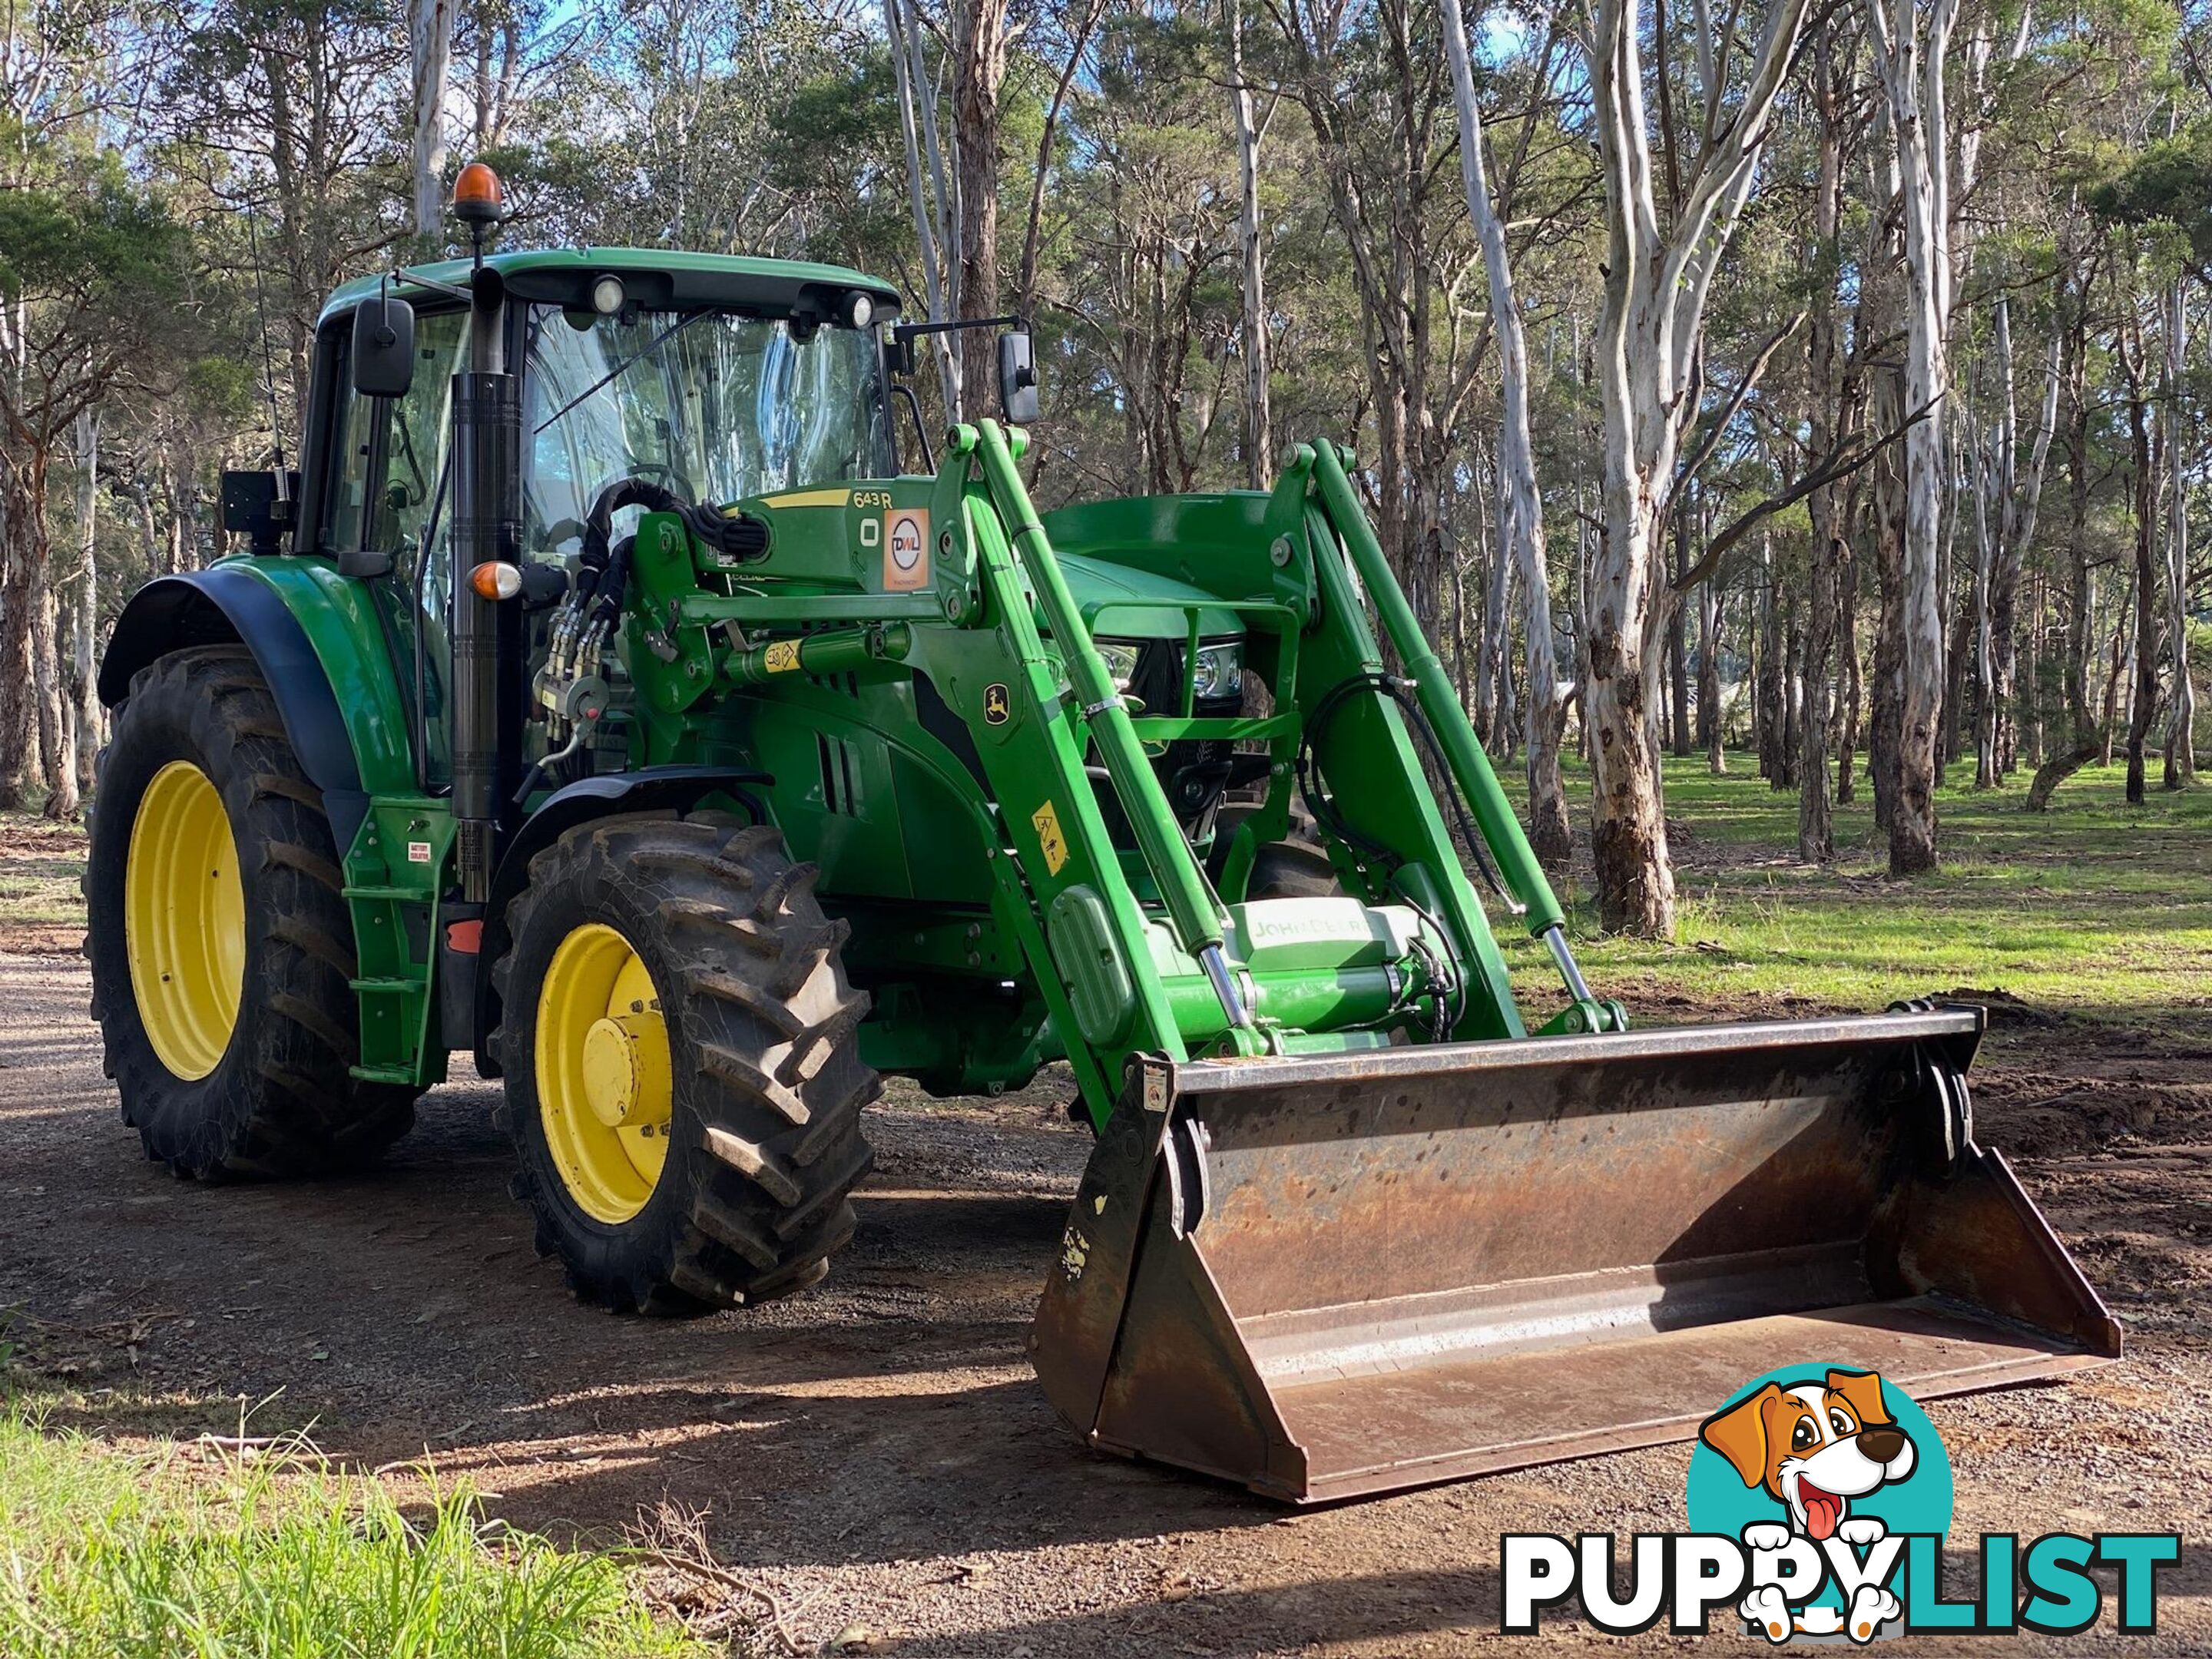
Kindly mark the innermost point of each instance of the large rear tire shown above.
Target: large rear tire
(681, 1050)
(222, 949)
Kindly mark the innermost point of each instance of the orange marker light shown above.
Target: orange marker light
(496, 580)
(477, 195)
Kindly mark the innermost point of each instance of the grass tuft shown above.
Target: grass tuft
(106, 1553)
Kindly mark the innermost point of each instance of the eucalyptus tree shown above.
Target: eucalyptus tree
(286, 114)
(977, 42)
(90, 265)
(1145, 283)
(1911, 41)
(2017, 490)
(1375, 92)
(1251, 121)
(430, 44)
(1520, 499)
(1659, 273)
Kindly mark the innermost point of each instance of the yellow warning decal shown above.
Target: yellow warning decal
(810, 498)
(782, 657)
(1050, 842)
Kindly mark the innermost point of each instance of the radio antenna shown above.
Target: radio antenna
(268, 359)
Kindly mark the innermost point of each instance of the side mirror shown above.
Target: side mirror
(1017, 381)
(383, 347)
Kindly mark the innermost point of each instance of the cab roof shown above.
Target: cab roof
(657, 278)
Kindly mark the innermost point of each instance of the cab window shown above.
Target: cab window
(390, 492)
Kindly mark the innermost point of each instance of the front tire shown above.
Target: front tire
(220, 945)
(681, 1050)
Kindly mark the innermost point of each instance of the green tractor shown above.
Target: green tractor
(623, 692)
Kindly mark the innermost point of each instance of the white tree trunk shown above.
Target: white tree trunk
(1646, 348)
(1908, 50)
(1259, 434)
(2020, 496)
(2180, 755)
(55, 727)
(430, 32)
(1520, 504)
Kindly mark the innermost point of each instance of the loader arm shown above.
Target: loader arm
(821, 770)
(1298, 576)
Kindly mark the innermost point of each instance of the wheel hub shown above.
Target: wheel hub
(604, 1080)
(626, 1068)
(184, 920)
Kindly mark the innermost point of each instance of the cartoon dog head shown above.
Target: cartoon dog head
(1814, 1446)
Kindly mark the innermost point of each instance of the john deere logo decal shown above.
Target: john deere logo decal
(1818, 1498)
(997, 708)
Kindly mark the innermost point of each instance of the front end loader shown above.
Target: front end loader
(605, 698)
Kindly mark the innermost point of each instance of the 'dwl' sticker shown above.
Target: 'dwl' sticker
(906, 549)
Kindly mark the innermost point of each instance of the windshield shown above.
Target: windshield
(709, 404)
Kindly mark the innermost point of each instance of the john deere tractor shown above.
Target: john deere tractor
(624, 692)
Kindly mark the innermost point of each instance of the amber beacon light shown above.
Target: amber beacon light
(477, 197)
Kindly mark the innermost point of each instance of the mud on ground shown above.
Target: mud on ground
(875, 1455)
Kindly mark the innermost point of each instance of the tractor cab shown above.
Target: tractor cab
(733, 379)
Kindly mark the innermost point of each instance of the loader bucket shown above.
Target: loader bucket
(1329, 1276)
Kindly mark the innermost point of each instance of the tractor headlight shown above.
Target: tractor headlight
(1220, 671)
(1121, 662)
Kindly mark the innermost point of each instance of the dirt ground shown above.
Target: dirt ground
(877, 1453)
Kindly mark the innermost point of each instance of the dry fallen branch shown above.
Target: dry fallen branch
(676, 1538)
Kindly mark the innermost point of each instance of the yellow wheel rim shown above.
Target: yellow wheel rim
(184, 920)
(604, 1091)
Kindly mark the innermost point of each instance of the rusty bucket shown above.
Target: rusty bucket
(1329, 1276)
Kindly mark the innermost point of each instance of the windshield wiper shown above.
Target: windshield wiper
(637, 357)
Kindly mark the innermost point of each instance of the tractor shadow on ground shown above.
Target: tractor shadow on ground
(870, 1419)
(876, 1419)
(1368, 1608)
(809, 1480)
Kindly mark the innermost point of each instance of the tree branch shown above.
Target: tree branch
(1840, 463)
(1724, 416)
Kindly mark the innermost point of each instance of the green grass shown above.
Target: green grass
(2095, 908)
(111, 1553)
(40, 865)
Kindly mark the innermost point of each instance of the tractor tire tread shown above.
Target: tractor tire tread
(747, 1207)
(282, 1101)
